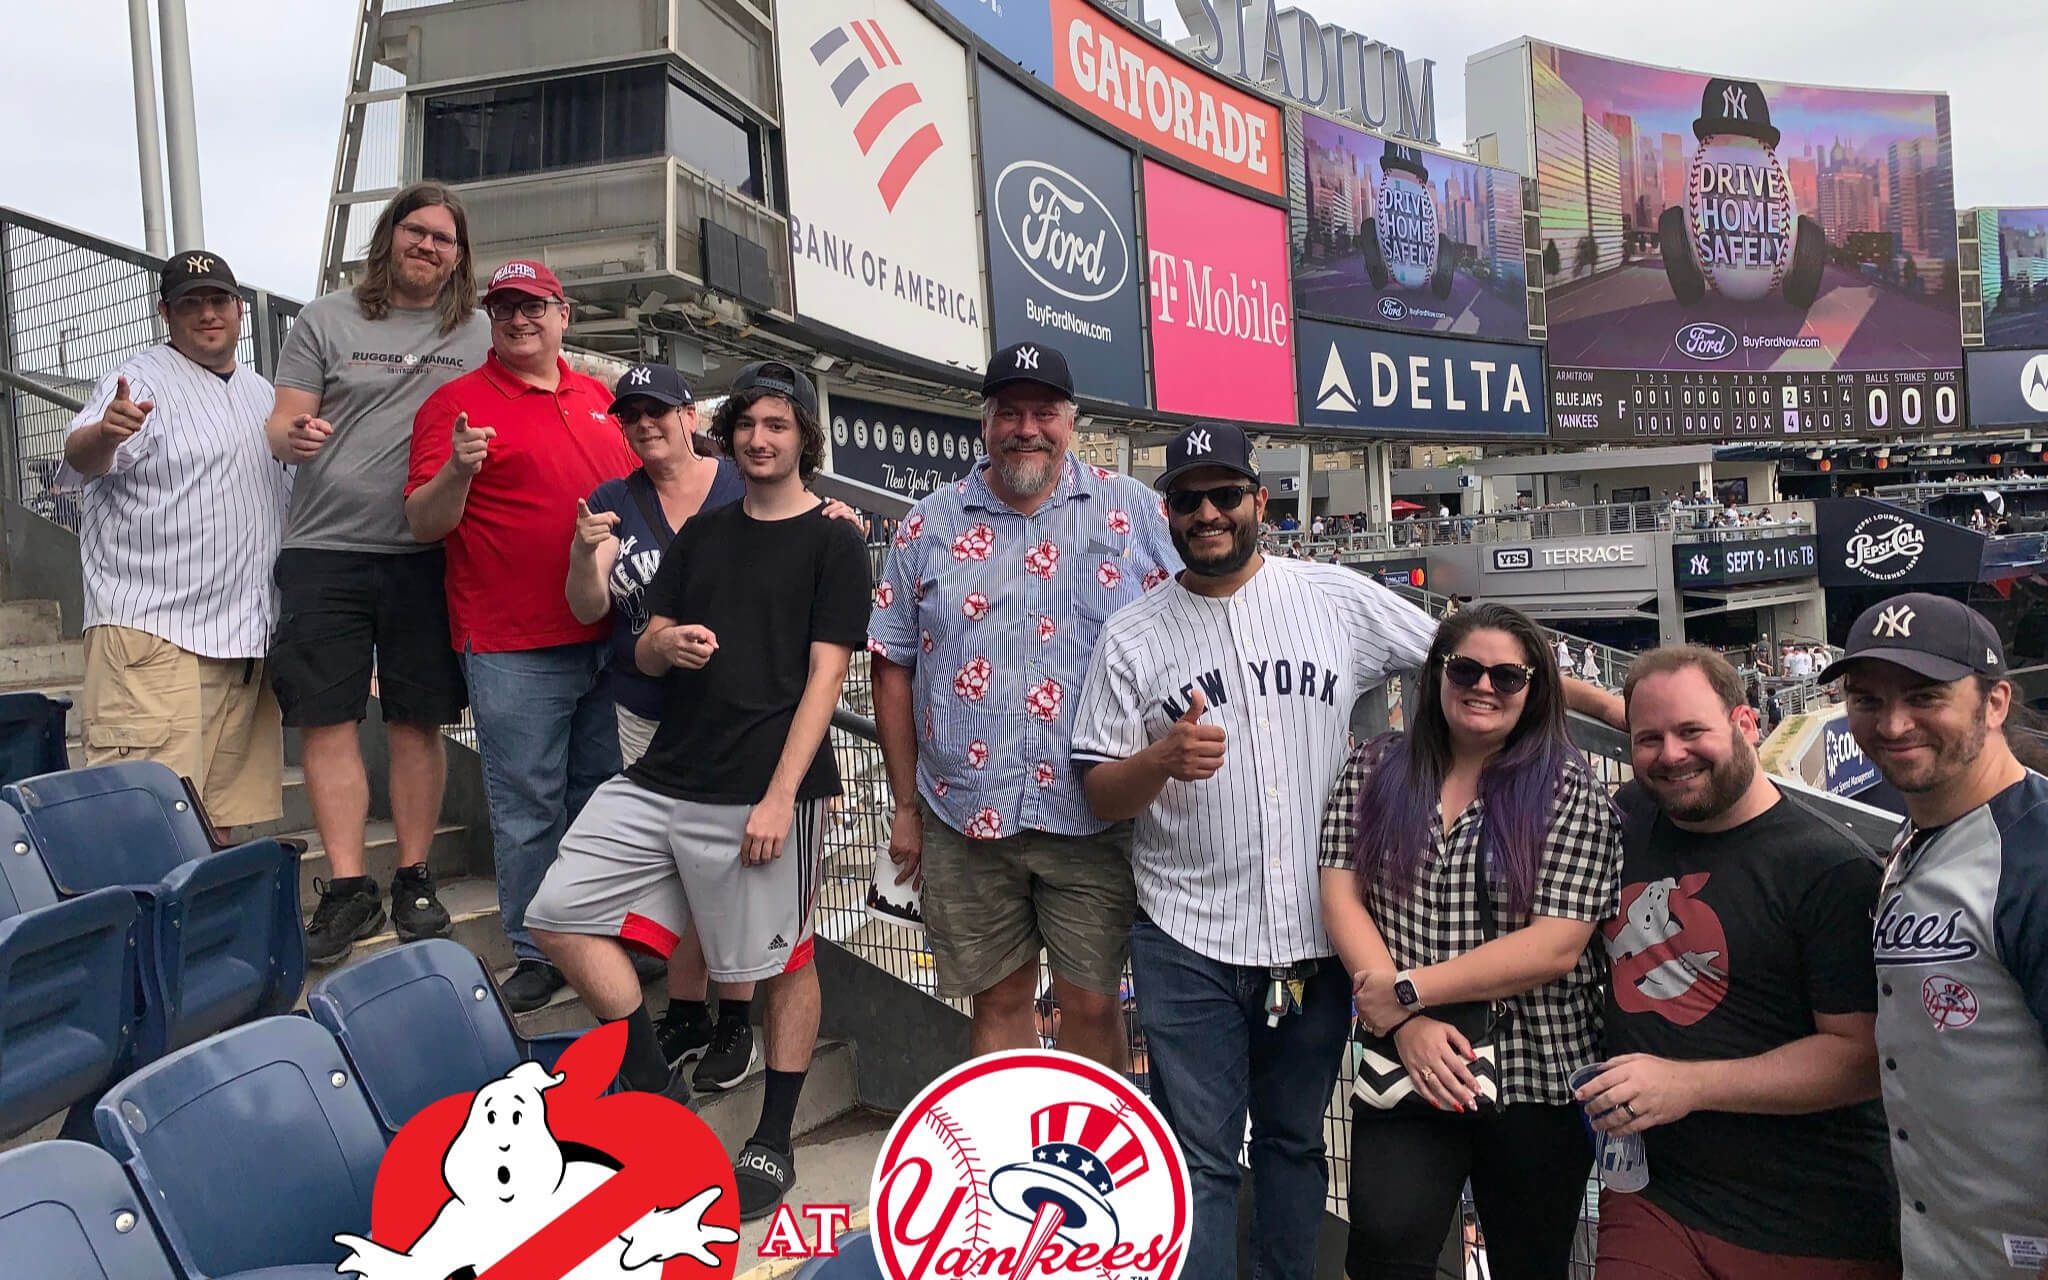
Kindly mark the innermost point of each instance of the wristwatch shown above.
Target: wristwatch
(1405, 992)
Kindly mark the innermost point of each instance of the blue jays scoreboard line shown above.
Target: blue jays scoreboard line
(1704, 405)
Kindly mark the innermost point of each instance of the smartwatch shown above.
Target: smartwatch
(1405, 992)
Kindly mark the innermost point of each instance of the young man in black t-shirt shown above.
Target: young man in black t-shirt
(754, 615)
(1741, 1008)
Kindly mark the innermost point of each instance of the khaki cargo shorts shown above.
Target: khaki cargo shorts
(990, 906)
(213, 720)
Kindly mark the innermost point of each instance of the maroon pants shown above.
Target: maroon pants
(1639, 1241)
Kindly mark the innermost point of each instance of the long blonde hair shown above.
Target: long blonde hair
(458, 299)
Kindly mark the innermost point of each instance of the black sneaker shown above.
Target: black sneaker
(729, 1058)
(415, 911)
(648, 968)
(532, 984)
(346, 915)
(683, 1040)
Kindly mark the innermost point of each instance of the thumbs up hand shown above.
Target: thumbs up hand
(124, 416)
(1191, 750)
(472, 445)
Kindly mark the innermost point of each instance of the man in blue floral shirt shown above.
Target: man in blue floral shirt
(984, 619)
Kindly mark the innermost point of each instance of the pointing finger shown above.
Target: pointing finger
(145, 407)
(489, 433)
(304, 419)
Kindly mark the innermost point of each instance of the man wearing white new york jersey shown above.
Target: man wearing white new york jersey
(1217, 713)
(182, 514)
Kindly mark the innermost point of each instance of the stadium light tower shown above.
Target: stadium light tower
(148, 149)
(181, 128)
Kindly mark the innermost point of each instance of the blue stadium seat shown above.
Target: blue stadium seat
(855, 1261)
(252, 1149)
(222, 939)
(31, 735)
(67, 1210)
(68, 988)
(377, 1007)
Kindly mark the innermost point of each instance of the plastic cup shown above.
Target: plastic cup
(1622, 1163)
(892, 903)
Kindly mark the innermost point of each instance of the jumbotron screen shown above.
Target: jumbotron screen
(2013, 250)
(1736, 258)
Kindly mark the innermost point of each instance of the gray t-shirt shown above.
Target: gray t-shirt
(371, 377)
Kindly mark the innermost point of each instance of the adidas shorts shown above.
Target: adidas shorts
(641, 867)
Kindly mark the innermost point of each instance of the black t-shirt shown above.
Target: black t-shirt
(1727, 946)
(767, 589)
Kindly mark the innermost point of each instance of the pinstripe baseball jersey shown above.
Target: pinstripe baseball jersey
(1962, 1035)
(178, 537)
(1227, 866)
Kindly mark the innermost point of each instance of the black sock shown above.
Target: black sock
(731, 1010)
(644, 1068)
(778, 1109)
(684, 1012)
(351, 884)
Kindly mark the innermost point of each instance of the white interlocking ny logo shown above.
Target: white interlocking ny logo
(199, 264)
(1027, 357)
(1198, 442)
(1895, 621)
(640, 377)
(1735, 102)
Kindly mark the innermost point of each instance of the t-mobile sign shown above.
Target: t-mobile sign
(1222, 335)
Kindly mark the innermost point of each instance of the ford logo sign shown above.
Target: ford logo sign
(1705, 341)
(1393, 309)
(1061, 232)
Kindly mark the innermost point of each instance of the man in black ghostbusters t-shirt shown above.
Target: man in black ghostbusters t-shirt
(1741, 1004)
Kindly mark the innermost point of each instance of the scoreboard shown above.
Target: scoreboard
(1707, 405)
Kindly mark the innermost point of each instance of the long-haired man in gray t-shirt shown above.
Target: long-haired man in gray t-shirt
(357, 593)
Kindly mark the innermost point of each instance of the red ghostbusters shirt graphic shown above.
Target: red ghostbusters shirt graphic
(1667, 950)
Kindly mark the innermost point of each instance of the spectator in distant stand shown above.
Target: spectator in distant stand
(1318, 527)
(1565, 661)
(1589, 666)
(357, 591)
(501, 459)
(181, 516)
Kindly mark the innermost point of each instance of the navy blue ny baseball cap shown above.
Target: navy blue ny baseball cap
(655, 382)
(1028, 362)
(1929, 635)
(1208, 444)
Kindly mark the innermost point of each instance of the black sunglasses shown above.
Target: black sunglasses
(1224, 497)
(630, 415)
(1508, 678)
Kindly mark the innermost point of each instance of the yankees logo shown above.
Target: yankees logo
(1895, 622)
(1735, 102)
(199, 264)
(640, 377)
(1027, 358)
(1198, 442)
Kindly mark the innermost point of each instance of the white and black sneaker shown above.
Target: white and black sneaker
(729, 1058)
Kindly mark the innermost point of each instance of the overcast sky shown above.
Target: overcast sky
(271, 73)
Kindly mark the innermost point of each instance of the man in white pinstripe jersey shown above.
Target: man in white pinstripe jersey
(182, 514)
(1217, 713)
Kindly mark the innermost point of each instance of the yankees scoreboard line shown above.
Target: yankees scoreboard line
(1620, 404)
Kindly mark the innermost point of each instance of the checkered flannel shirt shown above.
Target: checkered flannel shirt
(1555, 1029)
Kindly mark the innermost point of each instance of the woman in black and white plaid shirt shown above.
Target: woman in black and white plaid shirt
(1487, 768)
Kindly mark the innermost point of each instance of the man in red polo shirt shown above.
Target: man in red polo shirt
(500, 458)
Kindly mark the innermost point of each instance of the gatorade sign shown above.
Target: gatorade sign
(1121, 77)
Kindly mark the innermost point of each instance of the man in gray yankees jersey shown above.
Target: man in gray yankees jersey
(1961, 937)
(182, 514)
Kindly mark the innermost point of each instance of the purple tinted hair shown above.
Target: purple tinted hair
(1518, 786)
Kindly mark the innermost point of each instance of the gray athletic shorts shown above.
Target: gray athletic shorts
(642, 868)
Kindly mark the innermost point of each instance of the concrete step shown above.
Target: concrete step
(30, 622)
(297, 819)
(446, 855)
(42, 665)
(835, 1164)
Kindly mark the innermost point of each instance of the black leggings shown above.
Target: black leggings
(1528, 1168)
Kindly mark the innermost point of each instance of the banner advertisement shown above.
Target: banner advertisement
(2008, 388)
(1845, 770)
(1866, 543)
(906, 451)
(881, 177)
(1222, 337)
(1116, 74)
(1750, 258)
(2012, 250)
(1371, 381)
(1729, 564)
(1391, 234)
(1020, 30)
(1061, 217)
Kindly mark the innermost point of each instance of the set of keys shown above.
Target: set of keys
(1284, 990)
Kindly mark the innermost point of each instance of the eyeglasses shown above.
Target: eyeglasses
(1508, 678)
(192, 304)
(631, 415)
(530, 308)
(427, 235)
(1224, 497)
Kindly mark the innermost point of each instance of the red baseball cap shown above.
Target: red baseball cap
(524, 275)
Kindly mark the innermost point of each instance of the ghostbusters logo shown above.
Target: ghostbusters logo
(1668, 950)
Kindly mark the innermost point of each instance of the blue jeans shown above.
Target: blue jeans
(548, 736)
(1212, 1057)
